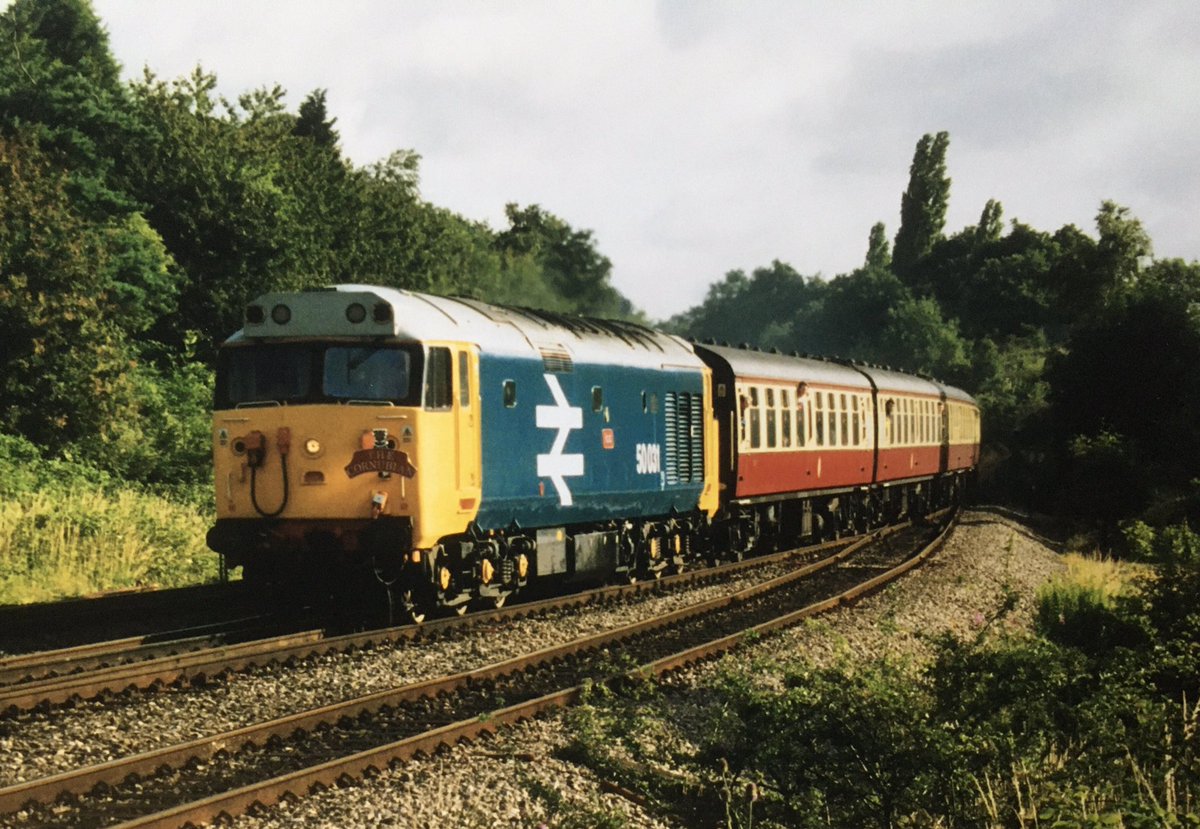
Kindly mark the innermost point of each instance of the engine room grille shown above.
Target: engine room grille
(684, 438)
(556, 359)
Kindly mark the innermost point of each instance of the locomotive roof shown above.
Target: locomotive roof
(496, 329)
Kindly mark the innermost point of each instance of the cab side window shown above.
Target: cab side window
(464, 380)
(438, 387)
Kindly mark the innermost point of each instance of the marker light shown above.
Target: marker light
(356, 313)
(255, 314)
(281, 314)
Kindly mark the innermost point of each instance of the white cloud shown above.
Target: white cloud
(698, 137)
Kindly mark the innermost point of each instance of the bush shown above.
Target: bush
(853, 748)
(1088, 607)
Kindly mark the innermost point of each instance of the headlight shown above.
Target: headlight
(312, 446)
(356, 313)
(281, 314)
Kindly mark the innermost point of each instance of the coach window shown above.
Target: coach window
(755, 424)
(845, 412)
(597, 398)
(510, 394)
(771, 419)
(831, 410)
(854, 419)
(438, 388)
(801, 422)
(743, 418)
(889, 409)
(785, 415)
(819, 418)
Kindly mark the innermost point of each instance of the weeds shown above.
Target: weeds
(66, 530)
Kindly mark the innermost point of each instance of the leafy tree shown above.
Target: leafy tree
(765, 309)
(923, 205)
(879, 254)
(60, 87)
(1123, 244)
(854, 310)
(991, 224)
(570, 262)
(1128, 380)
(61, 339)
(313, 121)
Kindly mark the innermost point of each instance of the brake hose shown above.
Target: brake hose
(254, 495)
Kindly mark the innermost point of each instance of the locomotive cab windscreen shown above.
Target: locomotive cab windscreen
(285, 374)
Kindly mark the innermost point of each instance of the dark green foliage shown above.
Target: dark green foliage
(923, 205)
(60, 88)
(852, 748)
(1084, 730)
(61, 337)
(1124, 397)
(879, 254)
(764, 309)
(571, 266)
(313, 121)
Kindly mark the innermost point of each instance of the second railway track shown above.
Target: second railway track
(228, 772)
(89, 671)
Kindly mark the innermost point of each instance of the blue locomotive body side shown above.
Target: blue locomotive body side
(597, 442)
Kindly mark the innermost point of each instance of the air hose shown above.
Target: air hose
(283, 443)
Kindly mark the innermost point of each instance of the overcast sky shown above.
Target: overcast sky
(694, 138)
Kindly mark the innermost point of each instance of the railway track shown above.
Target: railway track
(90, 671)
(227, 773)
(70, 623)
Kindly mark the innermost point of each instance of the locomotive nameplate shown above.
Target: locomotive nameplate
(380, 460)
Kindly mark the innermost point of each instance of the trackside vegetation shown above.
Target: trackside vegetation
(67, 529)
(1047, 728)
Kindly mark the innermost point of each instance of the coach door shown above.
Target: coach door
(944, 443)
(467, 445)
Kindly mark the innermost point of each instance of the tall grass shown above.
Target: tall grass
(76, 540)
(1080, 607)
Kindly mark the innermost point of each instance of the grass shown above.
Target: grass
(76, 540)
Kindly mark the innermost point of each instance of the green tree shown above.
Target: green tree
(765, 309)
(61, 338)
(923, 205)
(313, 121)
(60, 87)
(991, 222)
(1124, 398)
(879, 254)
(571, 264)
(1123, 244)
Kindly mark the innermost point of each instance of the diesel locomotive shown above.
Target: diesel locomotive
(452, 451)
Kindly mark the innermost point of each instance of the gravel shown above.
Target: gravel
(518, 778)
(37, 744)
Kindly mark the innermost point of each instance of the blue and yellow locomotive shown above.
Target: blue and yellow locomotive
(452, 449)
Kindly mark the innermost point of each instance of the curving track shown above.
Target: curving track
(229, 772)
